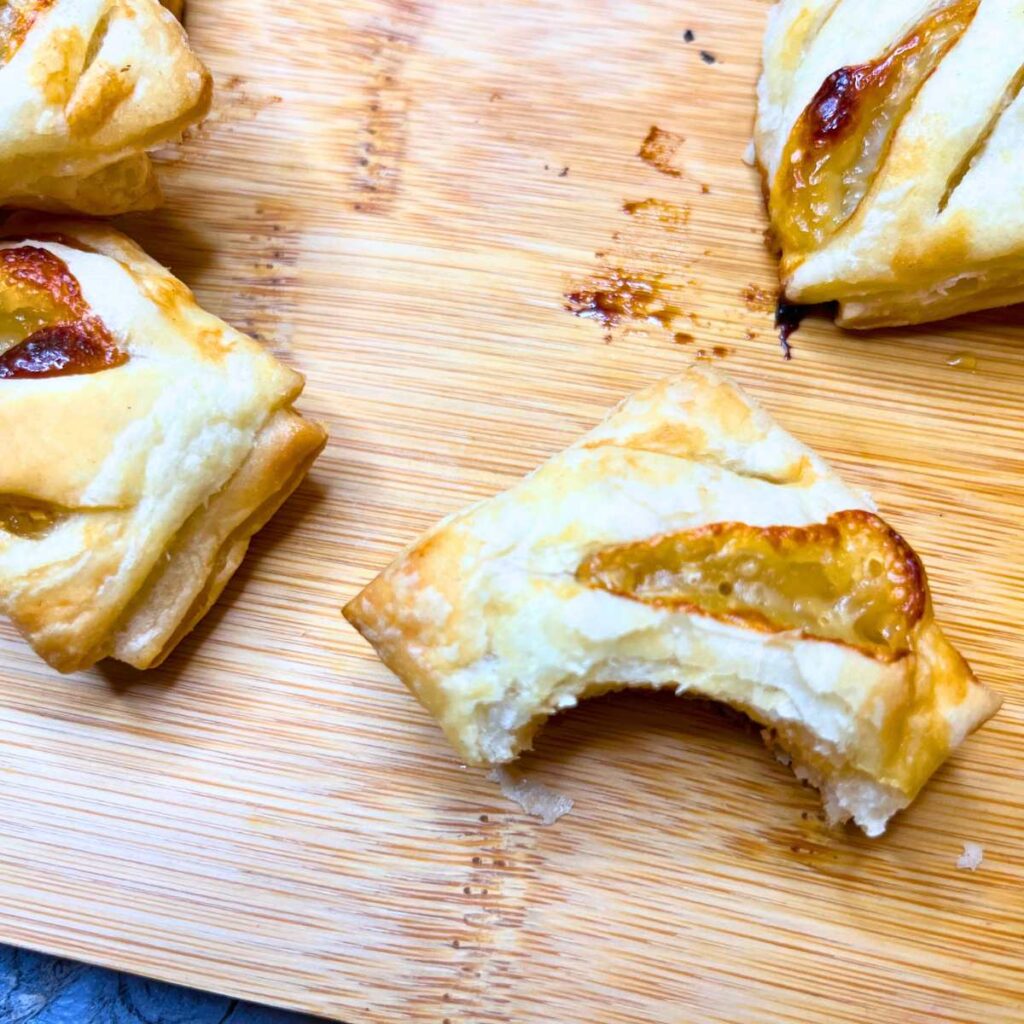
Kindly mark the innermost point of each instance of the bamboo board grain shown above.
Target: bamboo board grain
(396, 195)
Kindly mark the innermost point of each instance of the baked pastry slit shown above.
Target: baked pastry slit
(889, 138)
(145, 443)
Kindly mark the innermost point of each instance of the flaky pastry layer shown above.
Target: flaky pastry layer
(87, 88)
(890, 139)
(148, 441)
(687, 542)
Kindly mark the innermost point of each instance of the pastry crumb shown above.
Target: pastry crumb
(535, 798)
(750, 154)
(971, 858)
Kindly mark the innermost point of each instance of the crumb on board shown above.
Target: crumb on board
(688, 36)
(535, 798)
(750, 154)
(971, 858)
(758, 299)
(708, 58)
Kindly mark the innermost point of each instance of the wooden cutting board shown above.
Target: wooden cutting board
(398, 196)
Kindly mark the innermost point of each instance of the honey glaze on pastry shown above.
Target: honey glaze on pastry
(87, 88)
(46, 328)
(145, 442)
(841, 138)
(687, 542)
(853, 579)
(891, 188)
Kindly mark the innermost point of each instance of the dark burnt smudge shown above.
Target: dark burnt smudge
(790, 315)
(833, 110)
(619, 296)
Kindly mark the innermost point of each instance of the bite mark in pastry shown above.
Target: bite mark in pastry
(145, 442)
(87, 88)
(892, 188)
(687, 542)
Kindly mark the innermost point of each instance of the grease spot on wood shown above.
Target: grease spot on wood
(758, 299)
(669, 214)
(381, 143)
(966, 361)
(660, 149)
(716, 352)
(618, 296)
(239, 100)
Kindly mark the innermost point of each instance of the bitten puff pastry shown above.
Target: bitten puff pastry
(87, 87)
(145, 442)
(891, 140)
(686, 542)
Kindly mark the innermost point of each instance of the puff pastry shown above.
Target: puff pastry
(145, 441)
(891, 140)
(87, 87)
(687, 542)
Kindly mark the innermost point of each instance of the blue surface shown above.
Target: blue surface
(37, 989)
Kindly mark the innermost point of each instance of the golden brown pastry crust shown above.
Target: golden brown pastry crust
(132, 488)
(890, 138)
(524, 604)
(87, 87)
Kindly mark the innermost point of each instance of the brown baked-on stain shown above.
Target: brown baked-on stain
(96, 97)
(57, 68)
(619, 296)
(16, 18)
(669, 214)
(659, 148)
(715, 352)
(46, 327)
(852, 580)
(843, 136)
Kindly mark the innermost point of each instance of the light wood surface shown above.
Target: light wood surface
(381, 198)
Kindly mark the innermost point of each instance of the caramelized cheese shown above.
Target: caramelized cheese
(841, 139)
(852, 580)
(46, 327)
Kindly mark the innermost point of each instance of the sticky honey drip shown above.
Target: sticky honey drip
(842, 137)
(852, 580)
